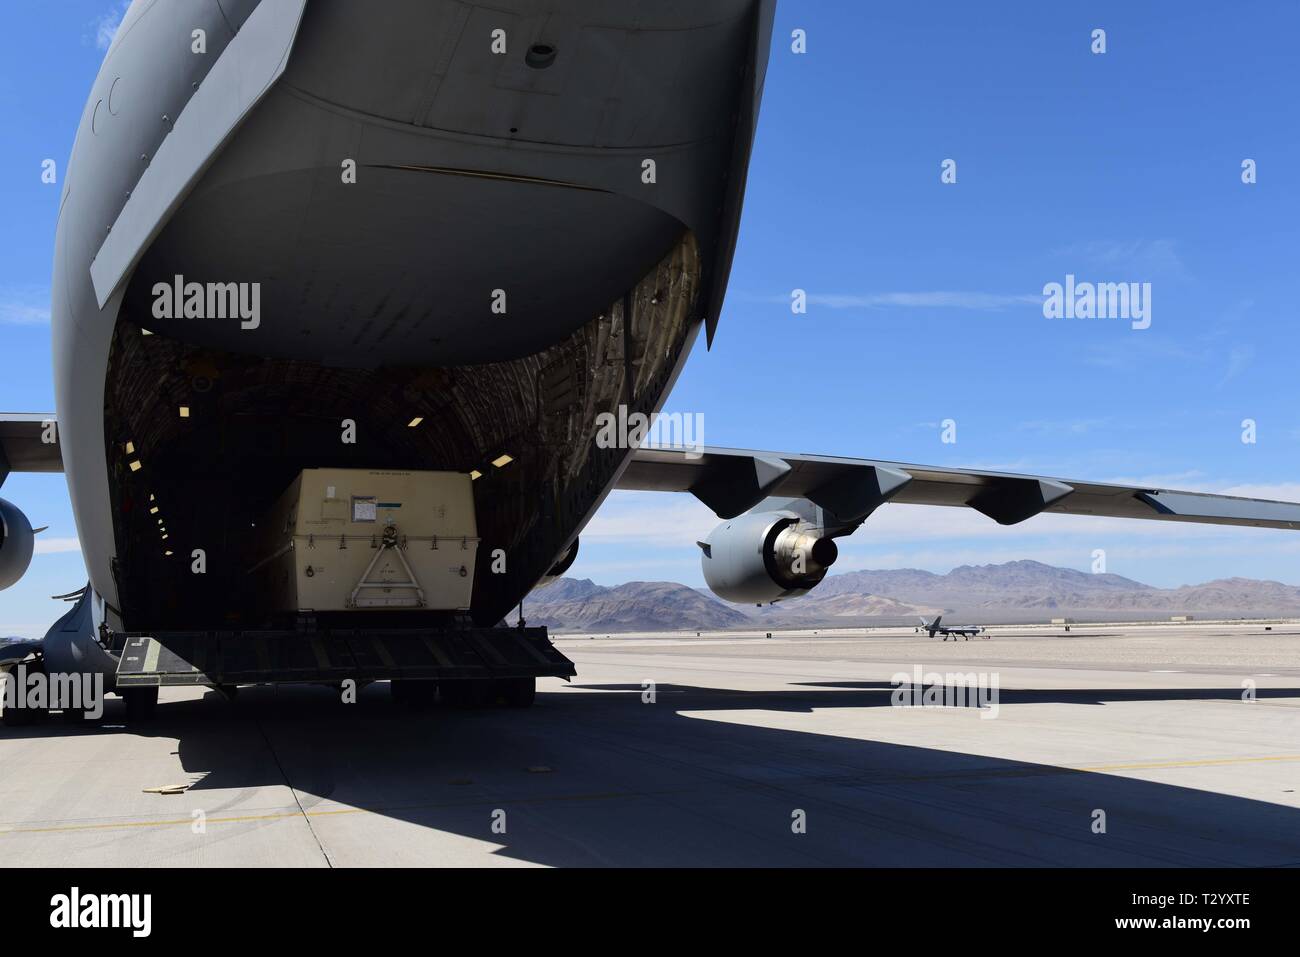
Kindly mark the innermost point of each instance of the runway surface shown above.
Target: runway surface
(1147, 729)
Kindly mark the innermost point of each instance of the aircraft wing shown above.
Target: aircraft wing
(732, 481)
(24, 446)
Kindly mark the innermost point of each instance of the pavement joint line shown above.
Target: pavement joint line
(333, 812)
(293, 792)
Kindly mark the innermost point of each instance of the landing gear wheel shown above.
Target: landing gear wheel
(414, 692)
(517, 692)
(141, 703)
(465, 692)
(23, 717)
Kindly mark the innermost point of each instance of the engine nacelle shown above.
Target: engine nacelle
(766, 556)
(16, 543)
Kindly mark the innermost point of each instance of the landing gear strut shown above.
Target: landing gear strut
(477, 692)
(414, 692)
(517, 692)
(141, 703)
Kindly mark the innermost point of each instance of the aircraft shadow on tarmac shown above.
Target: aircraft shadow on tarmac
(596, 777)
(879, 693)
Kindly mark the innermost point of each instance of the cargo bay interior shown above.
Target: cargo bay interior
(211, 438)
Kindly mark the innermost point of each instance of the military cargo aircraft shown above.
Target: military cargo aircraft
(336, 279)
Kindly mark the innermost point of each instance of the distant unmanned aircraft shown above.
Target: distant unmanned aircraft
(967, 631)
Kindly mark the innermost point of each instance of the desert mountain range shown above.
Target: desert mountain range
(1020, 591)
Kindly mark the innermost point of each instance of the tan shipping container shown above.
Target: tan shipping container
(344, 539)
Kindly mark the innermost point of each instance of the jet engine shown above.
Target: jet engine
(766, 556)
(16, 543)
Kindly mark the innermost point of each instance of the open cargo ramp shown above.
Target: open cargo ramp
(281, 657)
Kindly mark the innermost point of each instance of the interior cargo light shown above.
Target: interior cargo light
(136, 466)
(475, 474)
(130, 448)
(415, 421)
(502, 460)
(154, 511)
(185, 412)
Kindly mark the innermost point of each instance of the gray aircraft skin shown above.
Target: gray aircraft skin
(474, 171)
(501, 220)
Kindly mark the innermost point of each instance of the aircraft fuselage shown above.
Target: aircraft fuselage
(289, 231)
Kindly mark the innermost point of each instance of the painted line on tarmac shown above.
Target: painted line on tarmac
(1212, 762)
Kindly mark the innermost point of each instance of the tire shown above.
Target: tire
(141, 704)
(465, 692)
(25, 717)
(518, 692)
(19, 717)
(414, 692)
(77, 716)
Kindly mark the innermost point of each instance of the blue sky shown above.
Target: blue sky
(925, 298)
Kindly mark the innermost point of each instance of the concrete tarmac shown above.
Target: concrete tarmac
(1110, 746)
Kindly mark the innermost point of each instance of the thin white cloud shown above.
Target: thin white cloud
(1070, 426)
(1141, 352)
(1239, 358)
(984, 301)
(22, 309)
(1188, 480)
(685, 569)
(650, 518)
(1151, 255)
(1278, 491)
(55, 546)
(107, 24)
